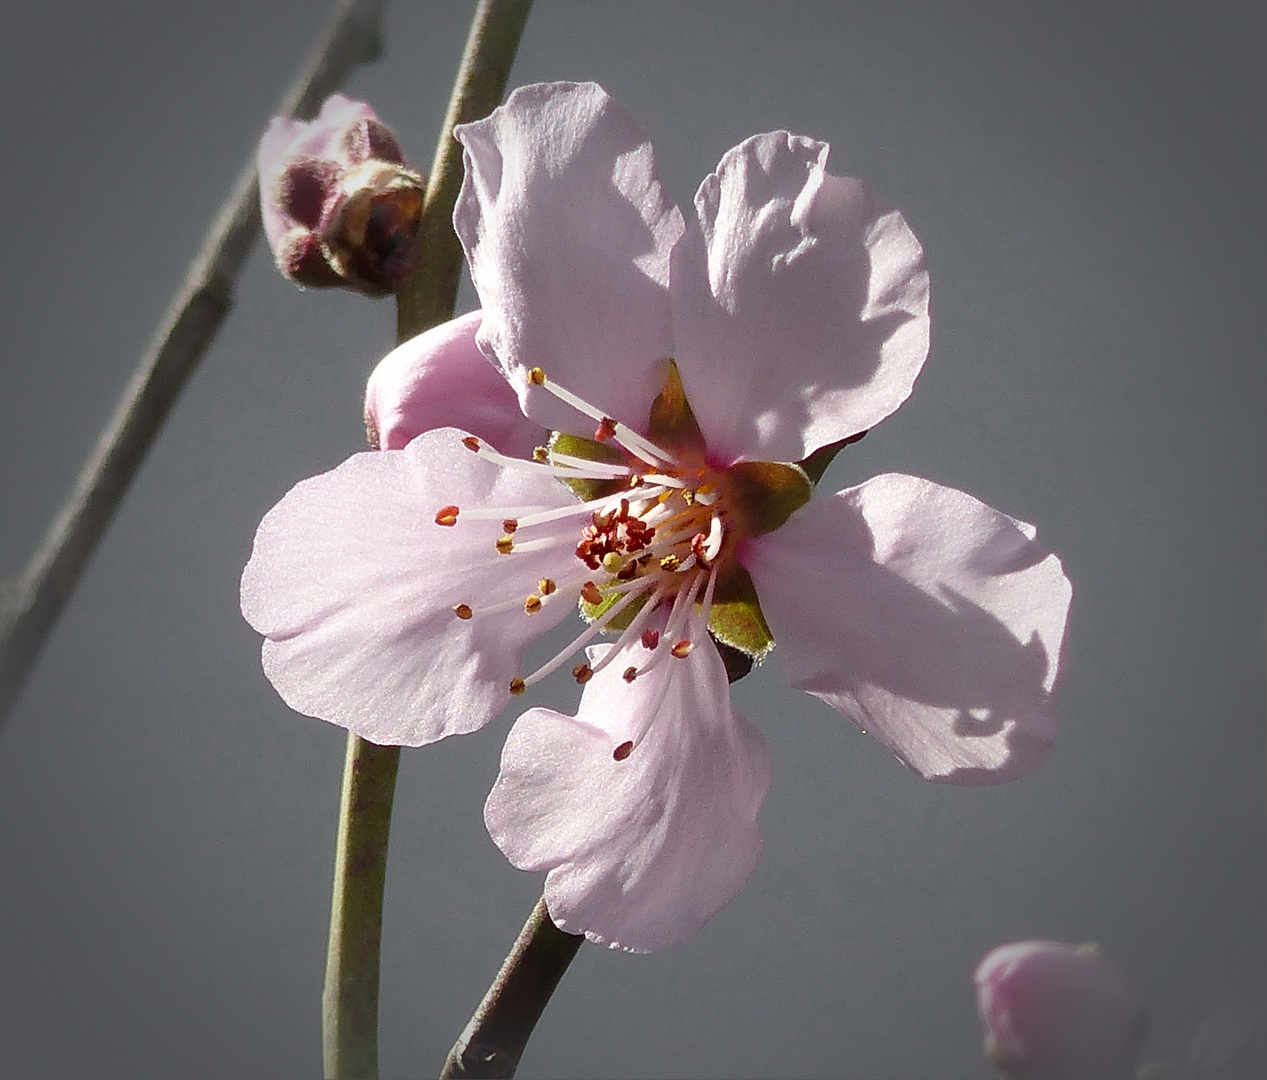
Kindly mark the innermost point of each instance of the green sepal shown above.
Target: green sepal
(816, 464)
(762, 495)
(672, 424)
(591, 450)
(590, 612)
(735, 617)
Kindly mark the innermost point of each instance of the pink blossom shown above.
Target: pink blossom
(1057, 1011)
(339, 204)
(397, 594)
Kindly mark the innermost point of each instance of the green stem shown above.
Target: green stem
(426, 298)
(494, 1040)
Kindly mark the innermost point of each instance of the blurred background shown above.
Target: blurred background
(1087, 182)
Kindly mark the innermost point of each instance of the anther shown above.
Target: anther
(623, 750)
(582, 673)
(670, 562)
(510, 525)
(532, 603)
(650, 638)
(591, 593)
(630, 674)
(505, 544)
(606, 429)
(517, 686)
(463, 611)
(546, 586)
(471, 443)
(447, 515)
(540, 455)
(682, 648)
(537, 377)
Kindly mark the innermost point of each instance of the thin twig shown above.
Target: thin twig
(494, 1040)
(426, 298)
(32, 602)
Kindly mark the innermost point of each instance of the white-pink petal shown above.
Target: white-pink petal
(932, 621)
(800, 303)
(353, 585)
(568, 232)
(441, 379)
(641, 852)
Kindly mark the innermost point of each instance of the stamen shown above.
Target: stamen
(471, 443)
(597, 470)
(517, 686)
(463, 611)
(582, 673)
(682, 649)
(510, 525)
(540, 454)
(606, 429)
(630, 674)
(650, 638)
(505, 544)
(532, 604)
(623, 750)
(591, 593)
(546, 586)
(447, 515)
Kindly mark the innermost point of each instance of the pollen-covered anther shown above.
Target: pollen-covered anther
(536, 376)
(505, 544)
(471, 443)
(606, 429)
(532, 603)
(630, 674)
(447, 515)
(670, 563)
(463, 611)
(582, 673)
(517, 686)
(682, 649)
(650, 638)
(540, 455)
(546, 586)
(510, 525)
(623, 750)
(591, 593)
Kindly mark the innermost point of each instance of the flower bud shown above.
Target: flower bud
(1058, 1011)
(339, 203)
(441, 379)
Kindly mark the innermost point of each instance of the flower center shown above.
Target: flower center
(657, 526)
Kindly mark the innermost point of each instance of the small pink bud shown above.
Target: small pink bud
(1057, 1011)
(339, 203)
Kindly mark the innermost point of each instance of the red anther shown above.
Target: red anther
(650, 638)
(471, 442)
(682, 648)
(447, 515)
(591, 593)
(623, 750)
(510, 525)
(630, 674)
(463, 611)
(606, 429)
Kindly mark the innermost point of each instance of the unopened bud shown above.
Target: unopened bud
(339, 203)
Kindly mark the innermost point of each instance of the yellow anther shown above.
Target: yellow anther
(540, 455)
(582, 673)
(532, 604)
(463, 611)
(505, 544)
(537, 377)
(546, 586)
(670, 562)
(517, 686)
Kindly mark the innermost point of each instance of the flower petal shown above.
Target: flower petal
(800, 303)
(353, 584)
(441, 379)
(1056, 1010)
(932, 621)
(568, 233)
(641, 852)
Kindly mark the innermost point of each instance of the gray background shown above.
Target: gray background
(1087, 182)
